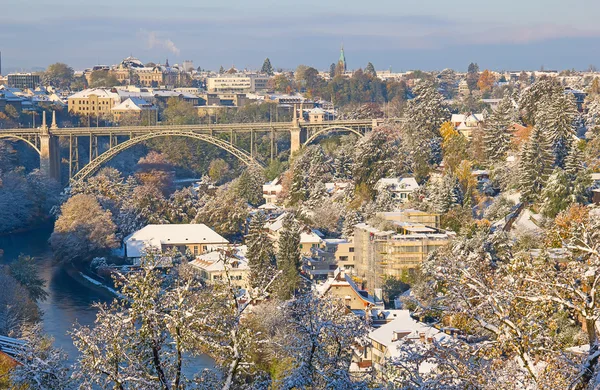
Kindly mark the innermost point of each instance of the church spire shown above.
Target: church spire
(342, 59)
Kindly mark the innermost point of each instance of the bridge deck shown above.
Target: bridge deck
(205, 128)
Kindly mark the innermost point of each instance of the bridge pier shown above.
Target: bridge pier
(49, 151)
(298, 137)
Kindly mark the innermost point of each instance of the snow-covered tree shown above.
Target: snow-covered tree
(592, 115)
(535, 165)
(351, 218)
(42, 365)
(321, 344)
(288, 258)
(555, 117)
(555, 196)
(249, 185)
(224, 211)
(183, 206)
(261, 256)
(496, 135)
(443, 192)
(532, 98)
(426, 112)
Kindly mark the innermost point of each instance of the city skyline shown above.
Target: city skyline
(511, 35)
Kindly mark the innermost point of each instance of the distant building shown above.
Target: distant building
(136, 110)
(93, 102)
(237, 82)
(23, 80)
(467, 123)
(401, 187)
(197, 238)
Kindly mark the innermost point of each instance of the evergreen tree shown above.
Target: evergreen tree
(370, 70)
(288, 258)
(267, 68)
(496, 135)
(249, 185)
(532, 98)
(332, 70)
(472, 76)
(221, 70)
(427, 111)
(448, 83)
(535, 165)
(556, 118)
(556, 195)
(261, 257)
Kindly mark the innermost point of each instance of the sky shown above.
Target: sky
(397, 34)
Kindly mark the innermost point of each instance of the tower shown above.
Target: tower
(342, 59)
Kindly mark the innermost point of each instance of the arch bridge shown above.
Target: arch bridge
(45, 140)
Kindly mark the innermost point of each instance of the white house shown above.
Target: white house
(271, 191)
(401, 187)
(197, 238)
(465, 124)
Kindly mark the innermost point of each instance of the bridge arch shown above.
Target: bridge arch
(19, 138)
(96, 163)
(332, 128)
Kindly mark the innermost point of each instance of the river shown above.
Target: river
(70, 299)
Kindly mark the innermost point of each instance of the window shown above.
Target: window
(195, 250)
(351, 249)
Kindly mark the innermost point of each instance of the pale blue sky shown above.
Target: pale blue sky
(404, 34)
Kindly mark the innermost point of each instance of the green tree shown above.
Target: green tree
(261, 256)
(218, 169)
(535, 165)
(370, 70)
(288, 258)
(58, 75)
(332, 70)
(179, 112)
(25, 271)
(249, 185)
(103, 79)
(472, 76)
(555, 196)
(267, 68)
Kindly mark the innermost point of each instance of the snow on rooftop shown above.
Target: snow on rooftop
(180, 234)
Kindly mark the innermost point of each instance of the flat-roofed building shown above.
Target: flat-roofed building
(237, 82)
(392, 253)
(23, 80)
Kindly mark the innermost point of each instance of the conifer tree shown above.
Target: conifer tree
(496, 135)
(370, 70)
(261, 256)
(288, 258)
(535, 165)
(556, 118)
(267, 68)
(556, 195)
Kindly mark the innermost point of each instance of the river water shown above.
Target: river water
(70, 300)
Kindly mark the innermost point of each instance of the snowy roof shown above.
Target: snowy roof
(402, 327)
(398, 184)
(132, 104)
(158, 235)
(316, 111)
(100, 92)
(595, 176)
(211, 261)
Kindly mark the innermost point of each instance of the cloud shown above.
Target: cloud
(153, 41)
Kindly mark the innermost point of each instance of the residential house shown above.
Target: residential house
(401, 187)
(467, 123)
(271, 191)
(212, 267)
(309, 238)
(342, 286)
(195, 238)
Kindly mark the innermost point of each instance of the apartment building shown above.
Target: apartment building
(394, 251)
(93, 102)
(237, 82)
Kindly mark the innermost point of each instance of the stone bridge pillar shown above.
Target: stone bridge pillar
(49, 150)
(298, 137)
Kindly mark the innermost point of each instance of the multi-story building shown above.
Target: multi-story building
(329, 256)
(271, 191)
(392, 253)
(23, 80)
(211, 267)
(133, 71)
(412, 216)
(237, 82)
(93, 102)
